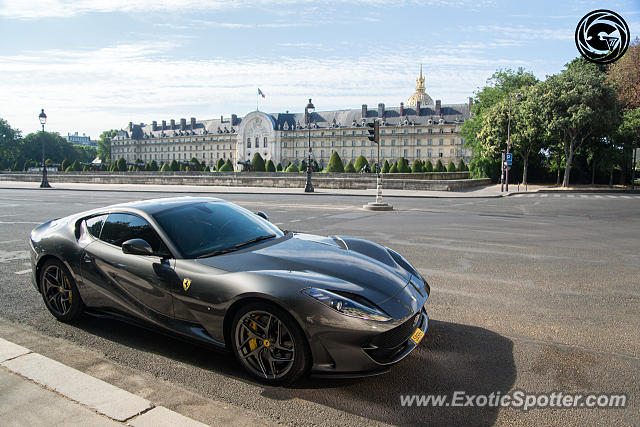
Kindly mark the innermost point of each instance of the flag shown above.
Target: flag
(260, 93)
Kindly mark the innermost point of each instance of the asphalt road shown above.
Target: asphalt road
(538, 293)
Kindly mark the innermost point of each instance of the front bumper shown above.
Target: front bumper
(372, 356)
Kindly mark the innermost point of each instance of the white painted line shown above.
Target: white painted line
(597, 197)
(544, 195)
(163, 417)
(295, 220)
(612, 197)
(584, 196)
(626, 197)
(311, 217)
(23, 271)
(556, 195)
(9, 350)
(571, 196)
(98, 395)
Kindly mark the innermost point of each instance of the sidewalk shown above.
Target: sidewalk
(488, 191)
(37, 390)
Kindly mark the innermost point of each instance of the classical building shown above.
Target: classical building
(421, 130)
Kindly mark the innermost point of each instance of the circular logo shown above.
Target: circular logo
(602, 36)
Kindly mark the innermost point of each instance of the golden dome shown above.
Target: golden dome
(420, 94)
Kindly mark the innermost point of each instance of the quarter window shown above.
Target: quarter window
(94, 225)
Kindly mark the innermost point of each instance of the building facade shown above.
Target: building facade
(76, 139)
(415, 131)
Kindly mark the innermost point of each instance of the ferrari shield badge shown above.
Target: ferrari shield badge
(186, 283)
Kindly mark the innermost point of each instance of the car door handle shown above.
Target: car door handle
(87, 258)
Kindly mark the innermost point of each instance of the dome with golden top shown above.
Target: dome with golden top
(420, 94)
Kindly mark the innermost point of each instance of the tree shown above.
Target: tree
(439, 166)
(270, 166)
(65, 164)
(122, 165)
(303, 166)
(624, 74)
(219, 164)
(361, 162)
(258, 163)
(279, 167)
(428, 167)
(195, 164)
(403, 166)
(451, 167)
(461, 166)
(335, 163)
(385, 167)
(416, 167)
(292, 168)
(75, 166)
(9, 144)
(350, 168)
(394, 168)
(579, 105)
(226, 167)
(152, 166)
(165, 168)
(175, 167)
(104, 145)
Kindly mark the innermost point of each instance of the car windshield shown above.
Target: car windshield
(211, 228)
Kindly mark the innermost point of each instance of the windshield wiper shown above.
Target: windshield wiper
(257, 239)
(236, 247)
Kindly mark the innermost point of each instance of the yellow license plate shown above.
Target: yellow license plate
(417, 336)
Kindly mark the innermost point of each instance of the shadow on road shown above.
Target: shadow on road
(452, 357)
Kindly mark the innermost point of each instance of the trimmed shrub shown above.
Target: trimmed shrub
(335, 163)
(361, 162)
(315, 165)
(165, 168)
(122, 165)
(195, 165)
(258, 163)
(385, 167)
(451, 167)
(461, 166)
(152, 166)
(428, 167)
(279, 167)
(219, 164)
(75, 166)
(403, 166)
(270, 166)
(416, 167)
(226, 167)
(65, 164)
(350, 168)
(292, 168)
(174, 166)
(439, 166)
(394, 168)
(69, 169)
(303, 166)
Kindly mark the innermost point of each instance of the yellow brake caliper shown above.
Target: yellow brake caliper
(66, 279)
(253, 343)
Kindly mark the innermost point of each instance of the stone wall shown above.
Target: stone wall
(447, 181)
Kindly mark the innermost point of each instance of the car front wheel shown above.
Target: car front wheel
(59, 291)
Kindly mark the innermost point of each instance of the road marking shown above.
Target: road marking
(584, 196)
(626, 197)
(556, 195)
(545, 195)
(571, 196)
(23, 271)
(295, 220)
(20, 222)
(612, 197)
(597, 197)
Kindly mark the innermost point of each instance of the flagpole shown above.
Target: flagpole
(257, 96)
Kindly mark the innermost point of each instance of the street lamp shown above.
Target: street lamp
(44, 184)
(506, 168)
(307, 113)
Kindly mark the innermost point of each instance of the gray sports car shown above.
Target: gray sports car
(284, 303)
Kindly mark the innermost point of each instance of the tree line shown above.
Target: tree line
(577, 126)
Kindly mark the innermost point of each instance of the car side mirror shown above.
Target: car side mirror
(262, 215)
(137, 247)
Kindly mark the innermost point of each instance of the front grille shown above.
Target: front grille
(398, 335)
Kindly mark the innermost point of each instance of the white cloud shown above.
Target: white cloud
(93, 90)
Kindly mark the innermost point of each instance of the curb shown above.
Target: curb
(99, 396)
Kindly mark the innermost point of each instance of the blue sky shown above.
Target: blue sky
(98, 64)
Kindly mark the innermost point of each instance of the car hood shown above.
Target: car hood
(324, 262)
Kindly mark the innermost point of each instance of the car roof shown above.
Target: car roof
(154, 206)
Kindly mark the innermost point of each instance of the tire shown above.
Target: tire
(255, 344)
(59, 291)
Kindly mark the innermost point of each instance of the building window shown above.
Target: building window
(406, 142)
(440, 153)
(429, 153)
(393, 153)
(419, 130)
(257, 141)
(418, 153)
(373, 153)
(265, 142)
(452, 152)
(393, 142)
(248, 142)
(404, 154)
(441, 141)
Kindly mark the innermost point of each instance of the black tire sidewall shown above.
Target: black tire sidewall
(302, 359)
(77, 306)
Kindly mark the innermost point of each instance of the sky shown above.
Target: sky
(95, 65)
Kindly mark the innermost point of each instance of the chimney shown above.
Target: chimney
(364, 111)
(417, 108)
(438, 105)
(234, 119)
(154, 125)
(193, 123)
(164, 124)
(173, 124)
(402, 108)
(380, 110)
(183, 124)
(221, 119)
(130, 126)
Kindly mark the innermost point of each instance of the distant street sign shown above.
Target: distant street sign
(509, 159)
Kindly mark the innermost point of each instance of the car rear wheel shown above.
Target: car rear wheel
(59, 292)
(269, 344)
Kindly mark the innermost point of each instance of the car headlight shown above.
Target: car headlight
(346, 305)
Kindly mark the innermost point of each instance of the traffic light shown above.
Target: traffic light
(374, 131)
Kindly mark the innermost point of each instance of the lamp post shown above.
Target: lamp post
(508, 143)
(307, 112)
(44, 184)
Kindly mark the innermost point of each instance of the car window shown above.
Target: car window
(118, 228)
(201, 228)
(94, 225)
